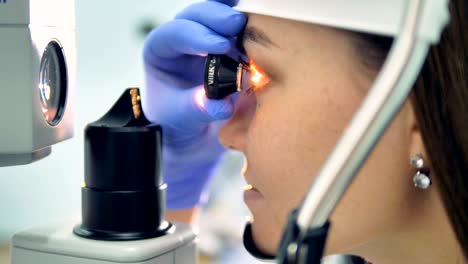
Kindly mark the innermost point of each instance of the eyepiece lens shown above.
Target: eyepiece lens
(53, 82)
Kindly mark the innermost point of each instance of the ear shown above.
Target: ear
(416, 140)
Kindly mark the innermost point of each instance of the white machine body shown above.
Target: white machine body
(26, 29)
(55, 243)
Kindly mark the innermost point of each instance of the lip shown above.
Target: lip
(251, 186)
(252, 196)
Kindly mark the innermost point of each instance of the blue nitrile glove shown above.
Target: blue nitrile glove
(174, 56)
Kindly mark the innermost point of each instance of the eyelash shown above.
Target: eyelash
(254, 88)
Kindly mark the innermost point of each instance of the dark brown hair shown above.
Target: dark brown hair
(440, 101)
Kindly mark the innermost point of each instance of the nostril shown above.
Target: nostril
(231, 147)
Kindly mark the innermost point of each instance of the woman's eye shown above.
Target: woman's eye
(254, 78)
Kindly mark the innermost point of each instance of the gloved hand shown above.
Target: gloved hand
(174, 56)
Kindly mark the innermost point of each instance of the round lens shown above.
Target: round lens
(53, 83)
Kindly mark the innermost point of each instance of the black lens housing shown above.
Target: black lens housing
(221, 76)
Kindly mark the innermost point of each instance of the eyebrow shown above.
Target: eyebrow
(256, 35)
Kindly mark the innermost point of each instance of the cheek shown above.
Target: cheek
(290, 137)
(383, 185)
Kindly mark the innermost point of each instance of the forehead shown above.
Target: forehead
(304, 51)
(289, 34)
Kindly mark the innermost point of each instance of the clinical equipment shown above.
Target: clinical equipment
(225, 75)
(37, 78)
(122, 222)
(123, 192)
(123, 201)
(174, 90)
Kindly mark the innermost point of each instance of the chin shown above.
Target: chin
(266, 235)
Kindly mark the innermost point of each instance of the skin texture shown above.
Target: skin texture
(287, 128)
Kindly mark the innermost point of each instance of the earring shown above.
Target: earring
(421, 179)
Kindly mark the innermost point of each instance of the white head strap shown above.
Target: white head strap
(383, 17)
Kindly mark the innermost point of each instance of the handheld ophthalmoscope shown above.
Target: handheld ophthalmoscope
(225, 75)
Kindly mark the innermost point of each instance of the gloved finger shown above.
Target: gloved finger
(235, 97)
(219, 17)
(180, 37)
(227, 2)
(186, 71)
(217, 109)
(234, 52)
(187, 110)
(207, 110)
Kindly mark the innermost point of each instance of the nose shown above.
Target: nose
(233, 133)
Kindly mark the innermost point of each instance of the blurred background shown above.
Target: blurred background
(110, 36)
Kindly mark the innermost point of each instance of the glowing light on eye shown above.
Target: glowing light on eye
(257, 76)
(200, 97)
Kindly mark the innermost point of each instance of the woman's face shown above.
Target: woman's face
(287, 128)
